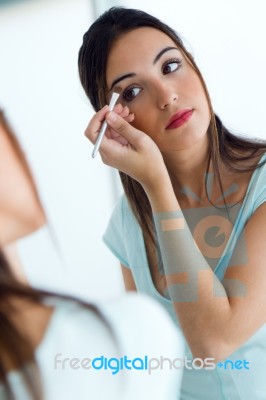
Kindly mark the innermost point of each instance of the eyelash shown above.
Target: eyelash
(132, 87)
(127, 91)
(173, 61)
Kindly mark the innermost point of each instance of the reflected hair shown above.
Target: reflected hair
(15, 348)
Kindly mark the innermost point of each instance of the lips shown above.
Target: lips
(179, 118)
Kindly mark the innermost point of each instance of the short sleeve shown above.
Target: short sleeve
(114, 236)
(260, 190)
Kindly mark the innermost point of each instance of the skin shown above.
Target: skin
(161, 89)
(20, 210)
(20, 214)
(163, 162)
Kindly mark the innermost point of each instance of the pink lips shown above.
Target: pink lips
(179, 118)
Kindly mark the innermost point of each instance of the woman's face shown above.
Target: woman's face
(160, 87)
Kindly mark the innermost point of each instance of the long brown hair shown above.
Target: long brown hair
(15, 347)
(92, 61)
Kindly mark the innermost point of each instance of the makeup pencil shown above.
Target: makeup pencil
(104, 125)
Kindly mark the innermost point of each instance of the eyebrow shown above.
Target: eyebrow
(132, 74)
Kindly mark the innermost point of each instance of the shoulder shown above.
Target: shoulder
(262, 164)
(75, 336)
(130, 319)
(141, 325)
(260, 172)
(132, 326)
(73, 319)
(129, 313)
(251, 184)
(257, 187)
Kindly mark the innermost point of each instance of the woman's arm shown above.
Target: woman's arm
(216, 317)
(128, 279)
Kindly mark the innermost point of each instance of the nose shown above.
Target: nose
(166, 96)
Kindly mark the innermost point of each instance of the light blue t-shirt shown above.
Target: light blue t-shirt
(229, 381)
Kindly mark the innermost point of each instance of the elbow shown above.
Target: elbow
(216, 350)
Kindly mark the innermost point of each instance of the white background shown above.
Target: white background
(41, 94)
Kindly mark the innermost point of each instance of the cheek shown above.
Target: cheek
(141, 120)
(143, 123)
(200, 95)
(195, 88)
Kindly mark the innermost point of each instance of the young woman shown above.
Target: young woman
(190, 229)
(48, 342)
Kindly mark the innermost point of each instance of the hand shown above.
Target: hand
(126, 148)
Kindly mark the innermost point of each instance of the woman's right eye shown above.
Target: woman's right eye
(130, 93)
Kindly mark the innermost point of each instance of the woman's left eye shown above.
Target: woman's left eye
(171, 66)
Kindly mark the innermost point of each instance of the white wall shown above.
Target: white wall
(42, 96)
(40, 91)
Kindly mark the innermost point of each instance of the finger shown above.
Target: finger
(95, 124)
(111, 134)
(125, 112)
(122, 127)
(130, 118)
(112, 147)
(122, 141)
(118, 108)
(118, 138)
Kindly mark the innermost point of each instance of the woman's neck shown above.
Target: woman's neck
(187, 169)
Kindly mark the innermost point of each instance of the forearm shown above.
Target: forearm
(213, 325)
(199, 298)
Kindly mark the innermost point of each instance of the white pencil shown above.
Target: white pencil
(104, 125)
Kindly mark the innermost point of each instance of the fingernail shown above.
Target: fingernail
(112, 117)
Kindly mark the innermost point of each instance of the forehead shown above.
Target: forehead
(136, 45)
